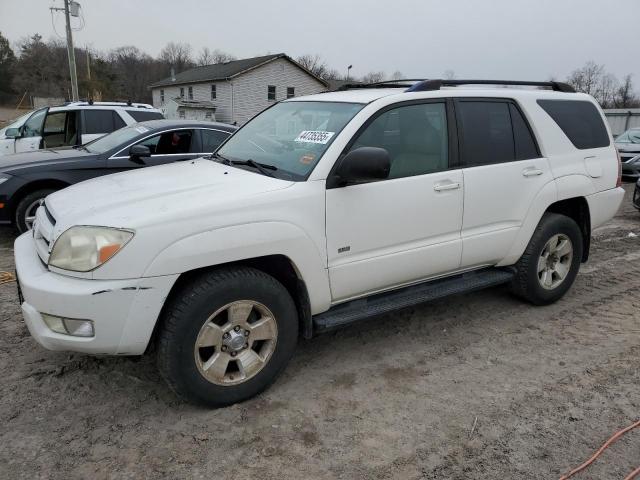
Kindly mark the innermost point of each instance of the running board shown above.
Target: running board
(360, 309)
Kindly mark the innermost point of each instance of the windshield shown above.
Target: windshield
(291, 136)
(115, 139)
(630, 136)
(17, 123)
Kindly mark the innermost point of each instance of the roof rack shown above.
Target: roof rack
(422, 85)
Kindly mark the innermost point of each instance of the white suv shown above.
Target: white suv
(74, 123)
(321, 211)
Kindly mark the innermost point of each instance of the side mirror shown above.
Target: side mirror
(138, 152)
(364, 164)
(12, 133)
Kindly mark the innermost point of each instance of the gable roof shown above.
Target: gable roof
(225, 71)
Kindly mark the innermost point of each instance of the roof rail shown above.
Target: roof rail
(399, 83)
(437, 84)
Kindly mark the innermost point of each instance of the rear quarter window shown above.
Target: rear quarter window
(580, 121)
(142, 116)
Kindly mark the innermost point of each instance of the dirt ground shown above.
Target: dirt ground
(396, 397)
(7, 114)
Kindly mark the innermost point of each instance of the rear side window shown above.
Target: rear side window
(579, 120)
(142, 116)
(98, 121)
(211, 139)
(118, 121)
(493, 132)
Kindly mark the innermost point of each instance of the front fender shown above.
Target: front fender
(241, 242)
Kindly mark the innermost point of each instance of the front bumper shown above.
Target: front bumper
(124, 312)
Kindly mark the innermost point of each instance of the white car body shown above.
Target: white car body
(26, 144)
(203, 214)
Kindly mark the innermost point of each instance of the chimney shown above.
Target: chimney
(173, 74)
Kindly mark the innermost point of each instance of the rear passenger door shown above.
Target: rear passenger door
(503, 172)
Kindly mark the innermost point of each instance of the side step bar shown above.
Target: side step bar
(360, 309)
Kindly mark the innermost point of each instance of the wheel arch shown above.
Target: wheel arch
(30, 187)
(577, 209)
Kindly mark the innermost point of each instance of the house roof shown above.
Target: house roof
(225, 71)
(201, 104)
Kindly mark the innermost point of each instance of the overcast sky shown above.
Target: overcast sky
(506, 39)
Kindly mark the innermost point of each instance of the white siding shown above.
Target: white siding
(250, 89)
(247, 91)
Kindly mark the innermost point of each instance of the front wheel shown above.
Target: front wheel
(26, 208)
(226, 335)
(549, 265)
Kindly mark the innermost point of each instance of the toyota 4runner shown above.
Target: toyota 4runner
(320, 212)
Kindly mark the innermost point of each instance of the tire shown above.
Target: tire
(206, 308)
(25, 208)
(546, 286)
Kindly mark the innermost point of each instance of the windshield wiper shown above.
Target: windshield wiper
(263, 168)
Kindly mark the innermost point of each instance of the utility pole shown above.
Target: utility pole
(70, 52)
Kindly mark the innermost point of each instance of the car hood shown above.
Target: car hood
(155, 195)
(15, 162)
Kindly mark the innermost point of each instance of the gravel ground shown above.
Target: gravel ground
(394, 398)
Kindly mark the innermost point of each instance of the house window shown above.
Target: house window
(291, 92)
(181, 113)
(181, 92)
(213, 92)
(207, 115)
(271, 92)
(162, 96)
(190, 93)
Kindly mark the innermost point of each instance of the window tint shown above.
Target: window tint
(211, 139)
(117, 121)
(98, 121)
(169, 143)
(486, 132)
(414, 135)
(33, 126)
(579, 120)
(142, 115)
(525, 144)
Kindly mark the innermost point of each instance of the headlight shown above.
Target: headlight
(81, 249)
(4, 177)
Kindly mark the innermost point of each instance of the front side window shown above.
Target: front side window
(213, 92)
(415, 136)
(190, 93)
(271, 92)
(169, 143)
(292, 136)
(579, 120)
(33, 126)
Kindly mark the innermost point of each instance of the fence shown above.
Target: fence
(622, 119)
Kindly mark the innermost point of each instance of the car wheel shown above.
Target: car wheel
(549, 265)
(26, 209)
(226, 335)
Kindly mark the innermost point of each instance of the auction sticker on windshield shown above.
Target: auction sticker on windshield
(310, 136)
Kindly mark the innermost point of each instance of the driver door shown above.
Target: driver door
(31, 132)
(406, 228)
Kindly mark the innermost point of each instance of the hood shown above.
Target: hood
(151, 195)
(14, 162)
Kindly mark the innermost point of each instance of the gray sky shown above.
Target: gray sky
(506, 39)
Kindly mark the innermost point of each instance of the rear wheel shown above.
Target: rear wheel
(27, 206)
(549, 265)
(226, 336)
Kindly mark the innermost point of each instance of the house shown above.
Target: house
(235, 91)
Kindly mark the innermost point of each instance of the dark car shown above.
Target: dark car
(636, 196)
(628, 145)
(27, 178)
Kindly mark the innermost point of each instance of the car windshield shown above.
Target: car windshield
(630, 136)
(291, 136)
(115, 139)
(17, 123)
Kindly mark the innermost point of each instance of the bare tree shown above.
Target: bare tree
(373, 77)
(449, 74)
(314, 63)
(205, 57)
(177, 55)
(397, 75)
(625, 96)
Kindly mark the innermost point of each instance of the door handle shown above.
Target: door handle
(441, 187)
(532, 172)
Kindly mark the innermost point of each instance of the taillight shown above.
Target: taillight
(619, 182)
